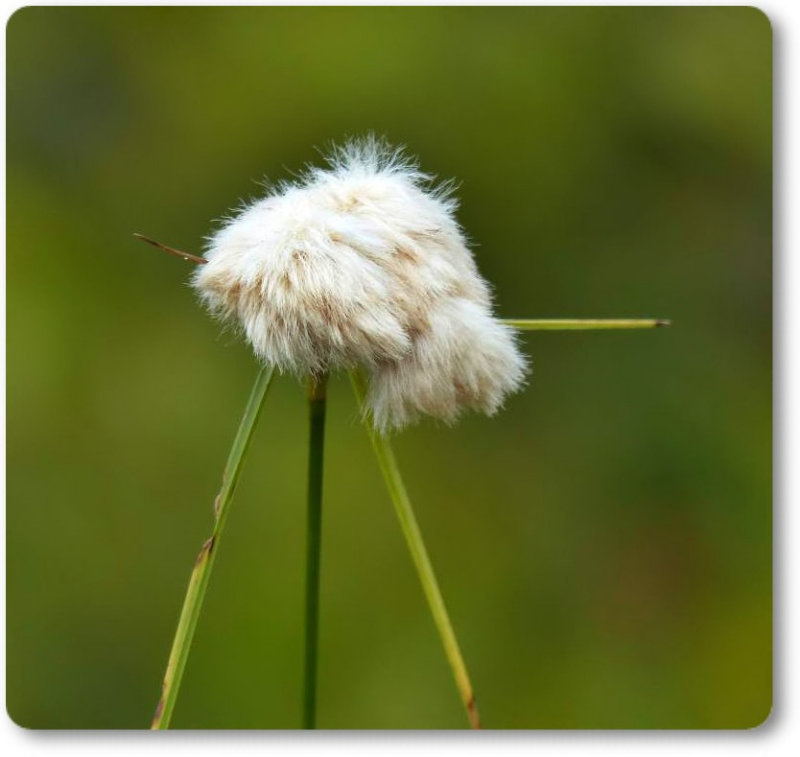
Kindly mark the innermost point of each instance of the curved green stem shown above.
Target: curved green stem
(317, 386)
(419, 555)
(195, 593)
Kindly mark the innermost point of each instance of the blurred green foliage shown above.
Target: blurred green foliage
(604, 544)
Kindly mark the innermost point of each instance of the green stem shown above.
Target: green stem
(316, 441)
(419, 555)
(583, 324)
(195, 593)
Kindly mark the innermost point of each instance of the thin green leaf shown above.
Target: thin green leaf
(316, 442)
(419, 555)
(195, 593)
(583, 324)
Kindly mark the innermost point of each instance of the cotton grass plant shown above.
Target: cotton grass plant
(360, 267)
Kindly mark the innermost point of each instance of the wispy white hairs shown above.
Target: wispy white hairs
(363, 264)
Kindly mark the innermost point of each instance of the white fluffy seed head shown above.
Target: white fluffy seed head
(363, 264)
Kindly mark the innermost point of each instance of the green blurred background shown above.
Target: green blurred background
(604, 545)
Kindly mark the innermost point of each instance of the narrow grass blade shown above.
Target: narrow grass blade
(416, 545)
(317, 387)
(584, 324)
(195, 593)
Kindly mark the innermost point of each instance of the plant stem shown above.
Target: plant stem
(583, 324)
(195, 593)
(416, 545)
(317, 386)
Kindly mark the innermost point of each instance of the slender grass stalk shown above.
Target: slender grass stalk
(419, 555)
(317, 393)
(195, 593)
(583, 324)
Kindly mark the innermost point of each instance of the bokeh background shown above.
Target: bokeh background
(604, 545)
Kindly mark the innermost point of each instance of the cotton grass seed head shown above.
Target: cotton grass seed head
(362, 264)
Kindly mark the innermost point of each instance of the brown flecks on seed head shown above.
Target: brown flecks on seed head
(406, 254)
(349, 203)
